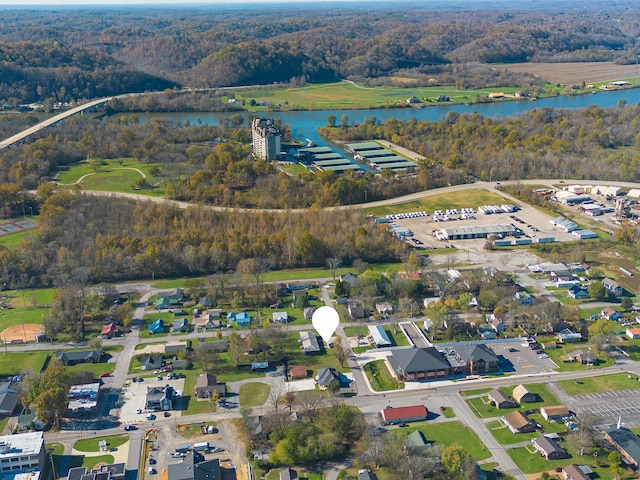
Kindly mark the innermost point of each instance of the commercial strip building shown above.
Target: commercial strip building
(83, 399)
(477, 231)
(395, 415)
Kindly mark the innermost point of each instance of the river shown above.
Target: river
(304, 124)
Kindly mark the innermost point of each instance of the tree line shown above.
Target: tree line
(85, 54)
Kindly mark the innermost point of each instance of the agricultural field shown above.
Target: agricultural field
(575, 73)
(349, 95)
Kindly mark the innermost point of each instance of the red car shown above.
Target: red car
(105, 375)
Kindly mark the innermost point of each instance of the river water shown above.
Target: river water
(304, 124)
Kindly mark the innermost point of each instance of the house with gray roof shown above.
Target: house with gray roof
(206, 384)
(73, 357)
(194, 467)
(366, 474)
(417, 441)
(160, 398)
(418, 364)
(548, 448)
(150, 362)
(327, 375)
(9, 398)
(180, 325)
(288, 474)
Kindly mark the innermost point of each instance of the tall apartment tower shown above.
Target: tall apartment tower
(266, 139)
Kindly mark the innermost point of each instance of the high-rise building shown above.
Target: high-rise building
(266, 139)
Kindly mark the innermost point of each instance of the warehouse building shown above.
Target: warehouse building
(478, 231)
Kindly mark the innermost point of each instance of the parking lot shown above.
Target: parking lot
(610, 406)
(135, 397)
(523, 360)
(532, 222)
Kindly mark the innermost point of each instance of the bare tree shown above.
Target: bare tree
(274, 397)
(289, 399)
(583, 437)
(375, 445)
(310, 406)
(333, 263)
(339, 351)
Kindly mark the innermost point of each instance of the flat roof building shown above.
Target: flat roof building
(23, 452)
(477, 231)
(266, 139)
(83, 398)
(380, 337)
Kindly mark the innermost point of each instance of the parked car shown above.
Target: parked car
(167, 414)
(152, 461)
(105, 374)
(138, 410)
(152, 471)
(130, 427)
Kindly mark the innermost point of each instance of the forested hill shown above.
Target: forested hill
(210, 47)
(31, 72)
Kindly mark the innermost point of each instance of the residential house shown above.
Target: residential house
(242, 319)
(479, 358)
(156, 327)
(366, 474)
(356, 310)
(150, 362)
(160, 398)
(308, 313)
(525, 297)
(418, 364)
(568, 336)
(633, 333)
(350, 279)
(303, 285)
(548, 345)
(109, 330)
(384, 308)
(328, 375)
(288, 474)
(548, 448)
(206, 384)
(296, 294)
(486, 332)
(626, 442)
(497, 321)
(521, 394)
(194, 467)
(580, 356)
(417, 441)
(612, 287)
(206, 321)
(500, 399)
(395, 415)
(577, 292)
(165, 303)
(280, 317)
(518, 422)
(73, 357)
(554, 413)
(180, 325)
(610, 314)
(309, 343)
(203, 302)
(297, 372)
(574, 472)
(9, 398)
(28, 420)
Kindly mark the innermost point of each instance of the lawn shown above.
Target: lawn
(359, 330)
(13, 240)
(379, 377)
(116, 175)
(447, 433)
(478, 391)
(21, 362)
(90, 462)
(447, 412)
(345, 95)
(95, 368)
(504, 436)
(606, 383)
(483, 409)
(194, 429)
(56, 450)
(91, 444)
(471, 198)
(530, 461)
(325, 358)
(190, 404)
(254, 394)
(557, 355)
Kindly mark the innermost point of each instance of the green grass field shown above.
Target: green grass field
(91, 462)
(113, 176)
(14, 240)
(478, 391)
(379, 376)
(95, 368)
(91, 444)
(343, 95)
(13, 363)
(254, 394)
(606, 383)
(447, 433)
(469, 198)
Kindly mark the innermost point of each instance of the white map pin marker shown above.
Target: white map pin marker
(325, 320)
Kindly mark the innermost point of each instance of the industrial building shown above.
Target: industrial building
(477, 231)
(266, 139)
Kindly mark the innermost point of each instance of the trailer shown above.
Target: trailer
(201, 446)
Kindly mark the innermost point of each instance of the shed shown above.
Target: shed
(518, 422)
(500, 399)
(555, 412)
